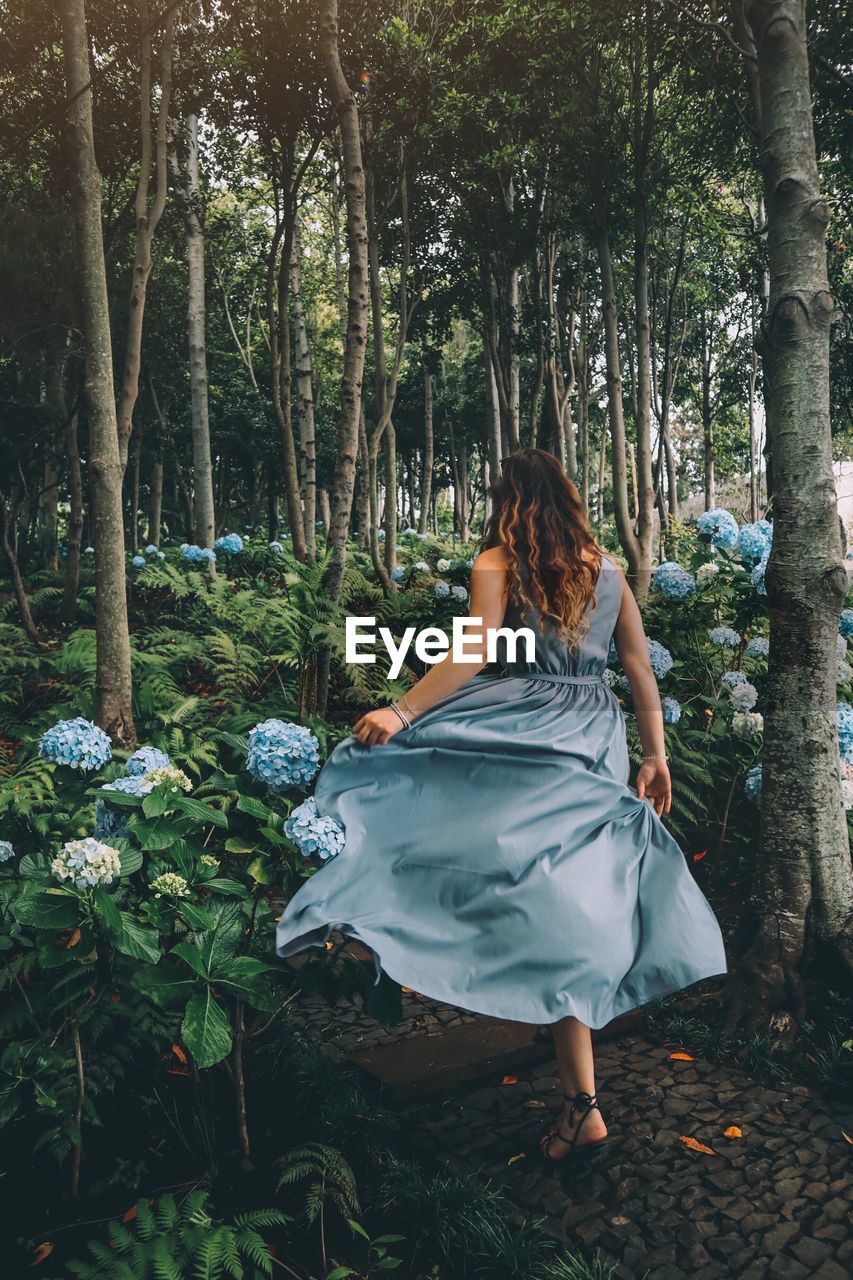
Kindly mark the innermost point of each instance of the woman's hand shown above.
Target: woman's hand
(377, 727)
(655, 784)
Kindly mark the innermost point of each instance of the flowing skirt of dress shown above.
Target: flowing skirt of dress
(497, 859)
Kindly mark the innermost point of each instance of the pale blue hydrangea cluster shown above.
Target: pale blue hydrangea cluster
(79, 744)
(725, 637)
(441, 590)
(144, 759)
(845, 623)
(231, 544)
(313, 833)
(720, 526)
(398, 573)
(754, 540)
(758, 647)
(139, 562)
(671, 710)
(409, 532)
(197, 555)
(844, 720)
(381, 535)
(87, 863)
(469, 563)
(459, 593)
(151, 550)
(673, 582)
(660, 659)
(744, 696)
(282, 754)
(752, 784)
(733, 678)
(422, 537)
(276, 548)
(757, 575)
(6, 851)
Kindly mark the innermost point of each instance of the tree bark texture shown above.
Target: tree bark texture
(204, 519)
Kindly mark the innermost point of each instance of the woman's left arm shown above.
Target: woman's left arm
(489, 580)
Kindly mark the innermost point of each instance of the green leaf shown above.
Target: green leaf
(130, 859)
(153, 835)
(197, 810)
(255, 808)
(156, 803)
(198, 918)
(206, 1030)
(48, 909)
(340, 1273)
(229, 888)
(34, 867)
(105, 904)
(233, 845)
(136, 940)
(357, 1228)
(262, 870)
(191, 955)
(167, 986)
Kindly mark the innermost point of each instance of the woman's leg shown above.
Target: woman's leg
(573, 1046)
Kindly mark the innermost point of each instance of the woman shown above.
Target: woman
(495, 856)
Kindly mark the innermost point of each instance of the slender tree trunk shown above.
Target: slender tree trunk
(204, 519)
(428, 455)
(9, 510)
(807, 890)
(705, 347)
(113, 676)
(155, 499)
(132, 531)
(75, 522)
(363, 494)
(304, 401)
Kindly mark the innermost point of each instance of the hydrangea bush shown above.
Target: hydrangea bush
(283, 755)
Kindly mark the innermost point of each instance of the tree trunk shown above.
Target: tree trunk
(155, 499)
(113, 676)
(304, 401)
(154, 147)
(428, 455)
(204, 519)
(363, 494)
(706, 349)
(343, 484)
(75, 522)
(9, 536)
(807, 890)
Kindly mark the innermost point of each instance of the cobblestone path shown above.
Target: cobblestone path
(775, 1202)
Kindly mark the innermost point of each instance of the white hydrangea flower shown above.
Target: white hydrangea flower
(442, 565)
(87, 863)
(175, 778)
(744, 696)
(748, 725)
(170, 885)
(706, 573)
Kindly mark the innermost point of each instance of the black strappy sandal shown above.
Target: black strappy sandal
(583, 1103)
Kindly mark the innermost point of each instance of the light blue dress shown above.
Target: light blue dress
(497, 859)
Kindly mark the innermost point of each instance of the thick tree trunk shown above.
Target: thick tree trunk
(154, 149)
(807, 892)
(113, 675)
(428, 455)
(204, 519)
(75, 522)
(343, 484)
(304, 400)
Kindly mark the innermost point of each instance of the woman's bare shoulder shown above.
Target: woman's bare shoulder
(493, 558)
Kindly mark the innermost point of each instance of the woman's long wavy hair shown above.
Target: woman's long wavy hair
(538, 517)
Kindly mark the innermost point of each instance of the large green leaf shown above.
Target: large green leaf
(47, 909)
(108, 910)
(136, 940)
(255, 808)
(230, 888)
(153, 835)
(130, 859)
(206, 1030)
(165, 984)
(197, 810)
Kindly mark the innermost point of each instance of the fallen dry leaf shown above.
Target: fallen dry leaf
(697, 1146)
(733, 1132)
(510, 1080)
(520, 1156)
(846, 1137)
(697, 857)
(535, 1102)
(179, 1053)
(130, 1214)
(73, 938)
(619, 1221)
(682, 1057)
(44, 1250)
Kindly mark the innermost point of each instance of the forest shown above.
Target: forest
(281, 284)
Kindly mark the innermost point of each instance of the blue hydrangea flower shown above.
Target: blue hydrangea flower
(314, 833)
(719, 525)
(409, 532)
(139, 562)
(469, 563)
(459, 593)
(758, 647)
(144, 759)
(612, 655)
(673, 582)
(132, 785)
(422, 537)
(381, 535)
(151, 550)
(110, 821)
(844, 720)
(845, 623)
(725, 637)
(79, 744)
(398, 573)
(282, 755)
(752, 784)
(754, 540)
(441, 590)
(757, 575)
(195, 554)
(231, 544)
(733, 678)
(671, 710)
(660, 659)
(6, 851)
(276, 548)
